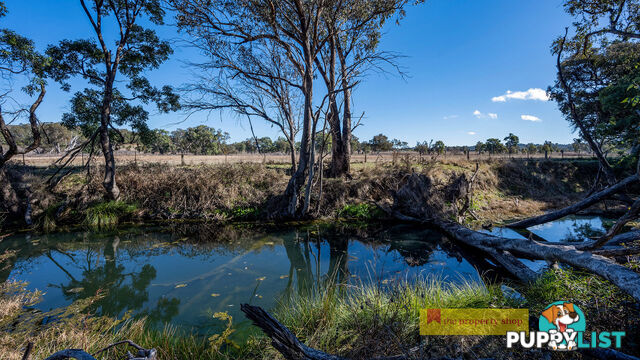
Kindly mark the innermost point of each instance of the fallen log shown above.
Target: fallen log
(282, 338)
(413, 202)
(617, 251)
(625, 238)
(615, 229)
(581, 205)
(293, 349)
(626, 279)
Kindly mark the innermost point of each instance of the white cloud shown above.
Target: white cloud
(471, 132)
(481, 115)
(531, 94)
(530, 118)
(450, 117)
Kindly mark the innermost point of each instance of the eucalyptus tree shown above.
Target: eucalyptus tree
(19, 58)
(136, 49)
(602, 19)
(590, 90)
(293, 28)
(254, 82)
(494, 146)
(511, 142)
(438, 147)
(582, 74)
(354, 29)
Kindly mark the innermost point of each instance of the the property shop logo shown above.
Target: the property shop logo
(562, 327)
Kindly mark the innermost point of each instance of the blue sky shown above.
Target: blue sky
(462, 57)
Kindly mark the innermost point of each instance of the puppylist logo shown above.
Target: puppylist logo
(562, 327)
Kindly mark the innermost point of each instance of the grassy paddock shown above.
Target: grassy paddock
(127, 157)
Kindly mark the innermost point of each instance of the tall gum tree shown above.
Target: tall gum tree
(255, 82)
(136, 49)
(294, 28)
(353, 29)
(584, 70)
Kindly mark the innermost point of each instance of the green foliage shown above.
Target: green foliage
(601, 79)
(422, 147)
(108, 214)
(136, 51)
(494, 146)
(245, 212)
(511, 142)
(438, 147)
(201, 140)
(361, 211)
(380, 142)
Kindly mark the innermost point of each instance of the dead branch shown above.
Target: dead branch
(282, 338)
(142, 354)
(581, 205)
(414, 197)
(293, 349)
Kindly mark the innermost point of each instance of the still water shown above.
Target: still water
(182, 274)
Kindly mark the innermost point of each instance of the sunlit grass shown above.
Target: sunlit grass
(376, 319)
(108, 214)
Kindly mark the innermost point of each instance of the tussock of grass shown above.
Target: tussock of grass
(375, 320)
(108, 214)
(361, 211)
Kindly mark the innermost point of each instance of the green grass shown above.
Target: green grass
(605, 306)
(362, 211)
(378, 319)
(108, 214)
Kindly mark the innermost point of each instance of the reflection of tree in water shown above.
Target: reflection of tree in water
(123, 291)
(582, 231)
(413, 254)
(304, 254)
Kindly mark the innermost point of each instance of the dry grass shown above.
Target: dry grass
(208, 192)
(358, 160)
(503, 189)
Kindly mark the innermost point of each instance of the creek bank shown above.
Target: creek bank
(503, 190)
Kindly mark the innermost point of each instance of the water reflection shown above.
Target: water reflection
(571, 228)
(184, 273)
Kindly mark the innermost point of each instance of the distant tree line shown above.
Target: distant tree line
(205, 140)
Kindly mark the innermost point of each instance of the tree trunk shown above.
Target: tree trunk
(109, 182)
(292, 149)
(9, 197)
(292, 193)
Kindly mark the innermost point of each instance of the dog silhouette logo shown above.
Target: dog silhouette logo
(565, 318)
